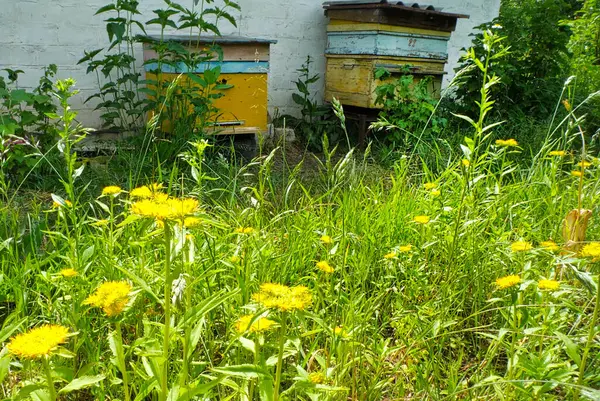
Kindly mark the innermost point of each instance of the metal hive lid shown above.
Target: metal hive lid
(398, 5)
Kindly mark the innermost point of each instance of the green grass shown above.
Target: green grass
(427, 324)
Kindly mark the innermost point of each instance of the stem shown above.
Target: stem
(280, 358)
(121, 361)
(49, 380)
(167, 301)
(590, 338)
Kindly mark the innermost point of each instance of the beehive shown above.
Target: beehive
(366, 35)
(245, 65)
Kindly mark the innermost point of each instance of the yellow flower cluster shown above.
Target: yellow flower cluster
(429, 186)
(550, 285)
(521, 246)
(38, 342)
(391, 255)
(282, 297)
(146, 191)
(558, 153)
(591, 250)
(577, 173)
(465, 162)
(326, 239)
(111, 296)
(244, 230)
(166, 209)
(68, 272)
(325, 266)
(421, 219)
(245, 324)
(111, 190)
(316, 378)
(507, 142)
(56, 205)
(549, 246)
(508, 281)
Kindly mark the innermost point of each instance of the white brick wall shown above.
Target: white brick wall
(35, 33)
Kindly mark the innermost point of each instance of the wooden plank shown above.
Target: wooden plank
(436, 65)
(227, 67)
(350, 26)
(394, 17)
(387, 44)
(233, 52)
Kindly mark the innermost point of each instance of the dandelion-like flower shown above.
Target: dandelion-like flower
(508, 281)
(282, 297)
(405, 248)
(465, 162)
(507, 142)
(146, 191)
(558, 153)
(246, 323)
(68, 272)
(429, 185)
(521, 246)
(391, 255)
(421, 219)
(111, 296)
(591, 250)
(577, 173)
(38, 342)
(326, 239)
(324, 266)
(173, 209)
(111, 190)
(549, 246)
(192, 222)
(584, 164)
(550, 285)
(244, 230)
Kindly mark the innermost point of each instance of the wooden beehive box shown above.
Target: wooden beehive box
(363, 36)
(245, 65)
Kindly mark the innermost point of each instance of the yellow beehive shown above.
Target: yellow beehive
(245, 66)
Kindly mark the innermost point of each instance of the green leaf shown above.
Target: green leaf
(571, 348)
(82, 382)
(245, 371)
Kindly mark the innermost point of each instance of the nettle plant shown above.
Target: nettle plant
(127, 98)
(407, 107)
(24, 125)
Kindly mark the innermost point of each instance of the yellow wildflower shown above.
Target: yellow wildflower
(550, 285)
(508, 281)
(245, 324)
(282, 297)
(391, 255)
(38, 342)
(559, 153)
(56, 205)
(435, 192)
(235, 259)
(68, 272)
(192, 222)
(465, 162)
(100, 223)
(111, 296)
(429, 185)
(324, 266)
(244, 230)
(326, 239)
(591, 250)
(111, 190)
(577, 173)
(506, 142)
(584, 164)
(421, 219)
(567, 105)
(521, 246)
(169, 209)
(316, 377)
(549, 246)
(146, 191)
(405, 248)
